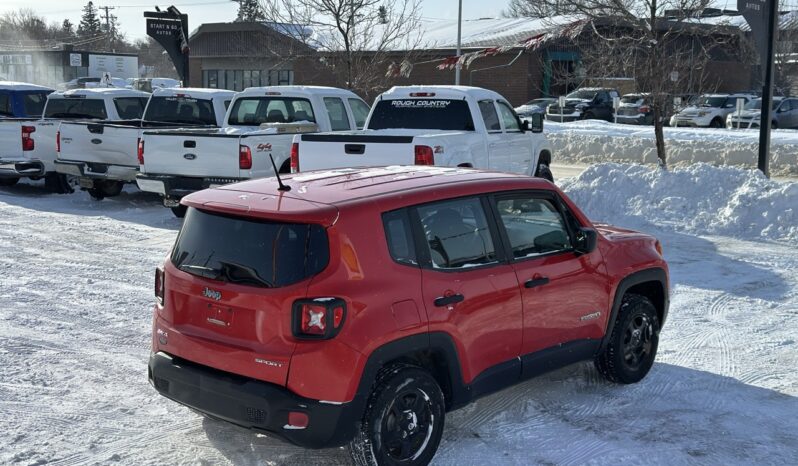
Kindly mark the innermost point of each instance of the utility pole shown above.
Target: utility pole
(108, 18)
(459, 30)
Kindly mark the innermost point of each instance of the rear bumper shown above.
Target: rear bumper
(21, 168)
(253, 404)
(641, 119)
(96, 171)
(175, 187)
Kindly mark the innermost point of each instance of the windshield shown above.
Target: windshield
(706, 101)
(249, 251)
(130, 108)
(34, 103)
(757, 104)
(632, 99)
(440, 114)
(181, 110)
(582, 95)
(76, 108)
(254, 111)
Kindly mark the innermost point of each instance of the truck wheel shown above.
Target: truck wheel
(106, 188)
(285, 167)
(632, 347)
(404, 418)
(179, 211)
(8, 181)
(544, 172)
(60, 183)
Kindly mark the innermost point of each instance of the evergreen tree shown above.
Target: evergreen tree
(249, 11)
(89, 23)
(67, 28)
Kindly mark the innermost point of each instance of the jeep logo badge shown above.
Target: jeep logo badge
(212, 294)
(189, 156)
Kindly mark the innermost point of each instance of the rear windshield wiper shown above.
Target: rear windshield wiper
(202, 271)
(237, 273)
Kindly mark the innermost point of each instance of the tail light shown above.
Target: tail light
(644, 109)
(318, 319)
(28, 143)
(244, 157)
(140, 151)
(159, 285)
(58, 141)
(424, 155)
(295, 157)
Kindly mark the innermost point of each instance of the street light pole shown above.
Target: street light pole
(459, 32)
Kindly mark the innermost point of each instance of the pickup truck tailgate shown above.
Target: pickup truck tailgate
(198, 153)
(324, 151)
(99, 143)
(11, 139)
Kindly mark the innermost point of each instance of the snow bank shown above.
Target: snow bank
(700, 199)
(598, 141)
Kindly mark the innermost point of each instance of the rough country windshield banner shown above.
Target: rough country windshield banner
(440, 114)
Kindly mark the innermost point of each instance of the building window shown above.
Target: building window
(210, 78)
(238, 80)
(281, 77)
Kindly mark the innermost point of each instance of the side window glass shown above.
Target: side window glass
(5, 105)
(339, 121)
(534, 226)
(360, 110)
(508, 118)
(457, 234)
(399, 237)
(488, 111)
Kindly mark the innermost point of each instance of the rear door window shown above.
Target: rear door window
(488, 111)
(249, 251)
(457, 234)
(360, 110)
(339, 120)
(76, 108)
(130, 108)
(178, 109)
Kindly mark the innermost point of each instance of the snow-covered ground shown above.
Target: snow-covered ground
(75, 307)
(595, 141)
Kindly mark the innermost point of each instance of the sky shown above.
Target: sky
(129, 12)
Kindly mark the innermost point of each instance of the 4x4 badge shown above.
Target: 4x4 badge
(212, 294)
(592, 316)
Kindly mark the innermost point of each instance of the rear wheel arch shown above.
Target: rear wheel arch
(285, 167)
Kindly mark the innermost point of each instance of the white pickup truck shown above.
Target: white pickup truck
(104, 155)
(433, 125)
(259, 126)
(28, 146)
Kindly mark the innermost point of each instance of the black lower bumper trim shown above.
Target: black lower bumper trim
(252, 404)
(176, 187)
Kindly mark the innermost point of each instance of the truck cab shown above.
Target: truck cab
(22, 100)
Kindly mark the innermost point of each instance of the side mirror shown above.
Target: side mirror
(586, 240)
(535, 123)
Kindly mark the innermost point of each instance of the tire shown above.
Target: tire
(404, 419)
(774, 125)
(588, 116)
(544, 172)
(179, 211)
(60, 183)
(632, 347)
(716, 123)
(8, 181)
(106, 188)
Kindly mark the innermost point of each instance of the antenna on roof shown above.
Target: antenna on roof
(282, 186)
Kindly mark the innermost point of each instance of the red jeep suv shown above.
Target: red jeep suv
(360, 305)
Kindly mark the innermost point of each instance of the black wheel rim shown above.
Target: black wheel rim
(638, 341)
(406, 427)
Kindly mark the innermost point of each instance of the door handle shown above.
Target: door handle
(447, 300)
(533, 282)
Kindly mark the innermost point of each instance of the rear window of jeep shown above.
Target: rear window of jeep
(249, 251)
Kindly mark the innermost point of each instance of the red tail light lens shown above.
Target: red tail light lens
(244, 158)
(318, 319)
(295, 157)
(58, 141)
(28, 143)
(424, 155)
(140, 151)
(159, 285)
(643, 109)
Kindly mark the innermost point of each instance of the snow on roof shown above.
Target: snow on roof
(19, 86)
(102, 92)
(457, 92)
(192, 91)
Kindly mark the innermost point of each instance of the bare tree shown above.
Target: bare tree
(356, 39)
(535, 9)
(658, 42)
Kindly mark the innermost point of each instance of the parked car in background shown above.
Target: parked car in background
(361, 305)
(28, 146)
(534, 106)
(587, 103)
(104, 155)
(259, 127)
(434, 125)
(784, 114)
(22, 100)
(149, 84)
(709, 111)
(635, 109)
(79, 83)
